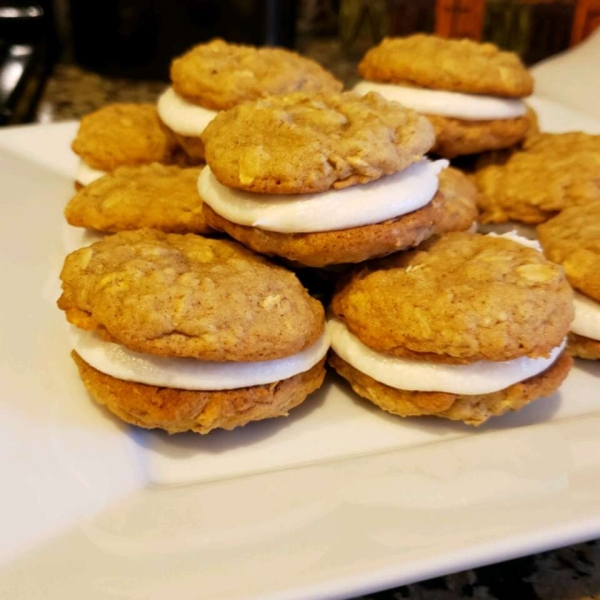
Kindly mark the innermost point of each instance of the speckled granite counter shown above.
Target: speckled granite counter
(72, 92)
(571, 573)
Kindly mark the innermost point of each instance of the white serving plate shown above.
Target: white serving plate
(336, 500)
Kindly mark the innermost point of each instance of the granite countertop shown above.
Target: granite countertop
(571, 573)
(71, 91)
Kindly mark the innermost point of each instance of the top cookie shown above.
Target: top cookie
(123, 135)
(572, 239)
(552, 172)
(441, 64)
(461, 298)
(302, 143)
(158, 196)
(188, 296)
(219, 76)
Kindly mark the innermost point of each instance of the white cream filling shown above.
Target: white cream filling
(188, 373)
(86, 174)
(520, 229)
(587, 317)
(469, 107)
(516, 236)
(354, 206)
(482, 377)
(183, 117)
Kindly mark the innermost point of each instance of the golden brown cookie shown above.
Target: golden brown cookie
(302, 143)
(218, 75)
(572, 239)
(460, 298)
(193, 148)
(188, 296)
(472, 410)
(200, 411)
(583, 347)
(453, 208)
(456, 137)
(552, 172)
(124, 135)
(459, 209)
(534, 124)
(156, 196)
(442, 64)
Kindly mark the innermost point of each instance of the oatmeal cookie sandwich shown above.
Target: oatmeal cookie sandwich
(572, 239)
(181, 332)
(323, 179)
(217, 76)
(465, 327)
(471, 92)
(119, 135)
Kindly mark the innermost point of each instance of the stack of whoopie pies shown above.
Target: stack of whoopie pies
(183, 332)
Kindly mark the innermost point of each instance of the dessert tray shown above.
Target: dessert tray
(336, 500)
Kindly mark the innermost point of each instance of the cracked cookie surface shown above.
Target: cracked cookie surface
(219, 76)
(438, 63)
(460, 298)
(188, 296)
(572, 239)
(123, 135)
(155, 196)
(552, 172)
(301, 143)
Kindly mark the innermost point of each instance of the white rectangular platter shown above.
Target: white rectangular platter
(337, 499)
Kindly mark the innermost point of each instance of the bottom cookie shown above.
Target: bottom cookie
(472, 410)
(455, 137)
(583, 347)
(193, 148)
(453, 208)
(200, 411)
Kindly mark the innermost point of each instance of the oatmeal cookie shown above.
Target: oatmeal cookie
(301, 143)
(193, 148)
(453, 208)
(534, 123)
(442, 64)
(460, 298)
(472, 410)
(552, 172)
(124, 135)
(218, 75)
(200, 411)
(156, 196)
(583, 347)
(456, 137)
(572, 239)
(188, 296)
(459, 195)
